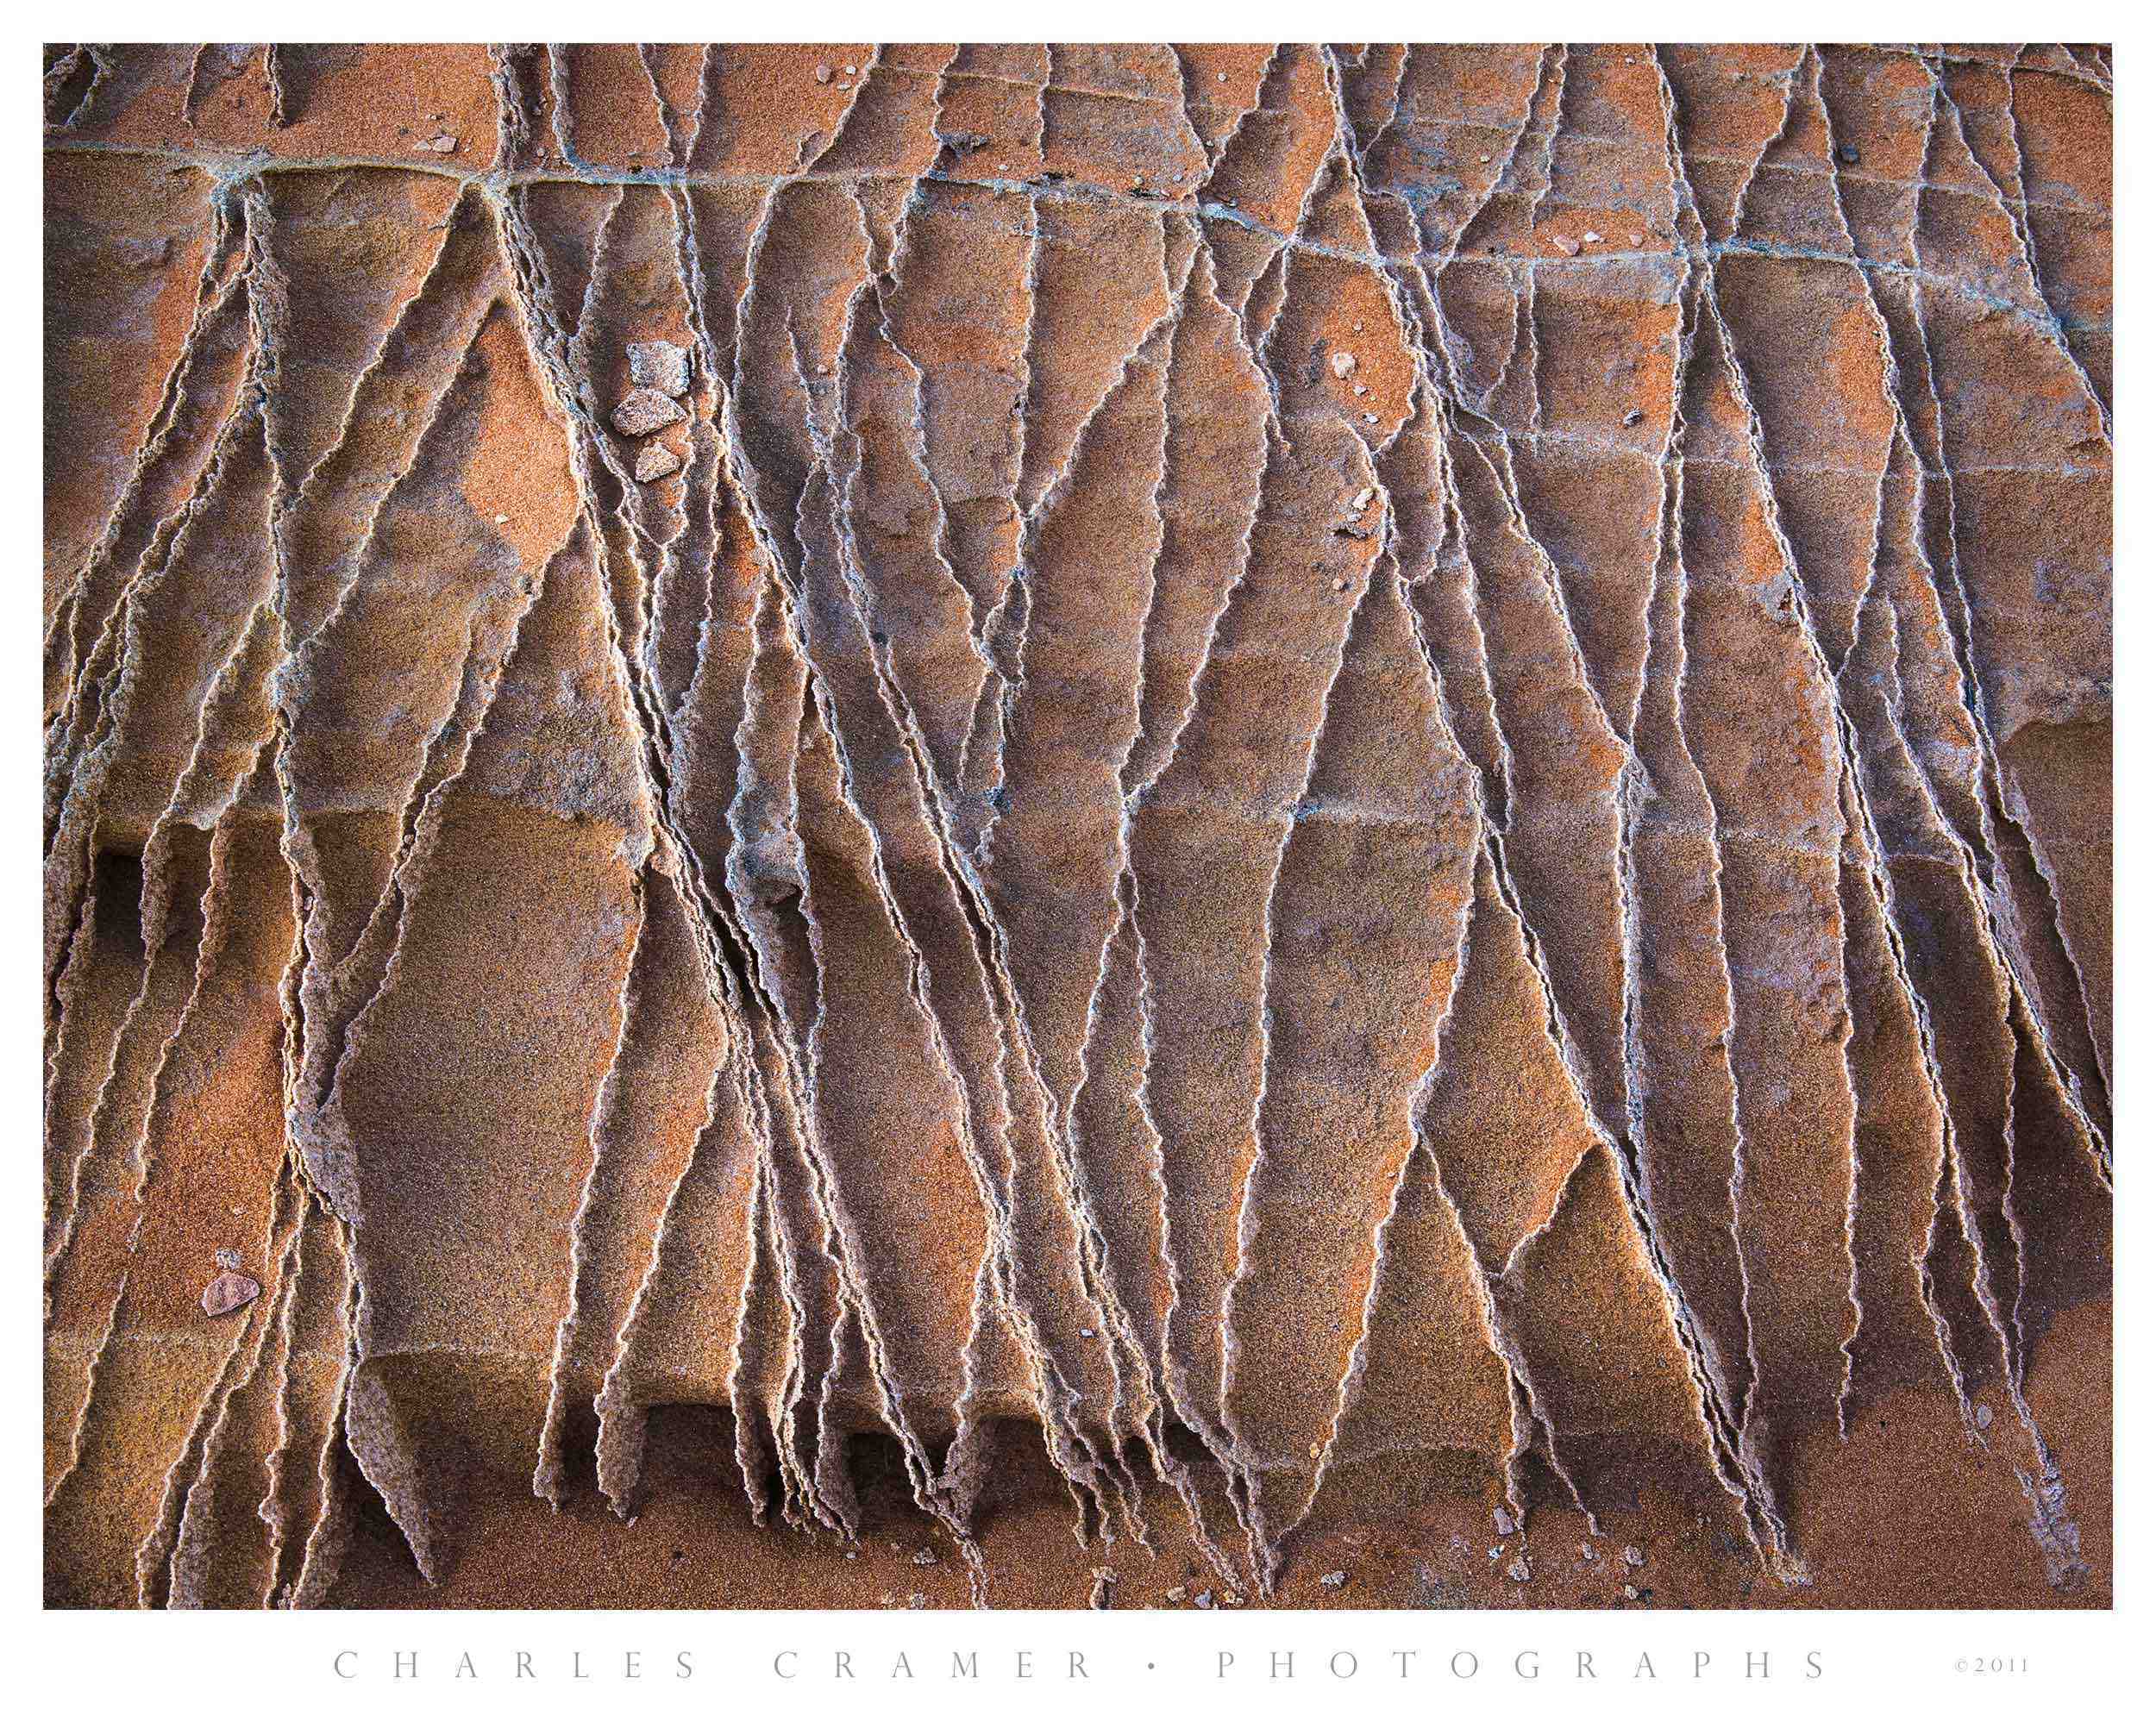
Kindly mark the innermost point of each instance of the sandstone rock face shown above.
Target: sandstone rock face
(1346, 795)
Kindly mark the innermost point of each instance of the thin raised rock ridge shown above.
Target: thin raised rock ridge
(933, 825)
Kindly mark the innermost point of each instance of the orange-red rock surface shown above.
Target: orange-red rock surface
(1345, 811)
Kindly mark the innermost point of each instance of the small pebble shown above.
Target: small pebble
(655, 460)
(1631, 1594)
(1634, 416)
(1983, 1417)
(1569, 246)
(1634, 1557)
(1496, 1554)
(925, 1558)
(1639, 238)
(228, 1291)
(1342, 364)
(1481, 158)
(441, 144)
(644, 411)
(231, 1260)
(1334, 1580)
(1204, 1599)
(1085, 1333)
(659, 364)
(850, 69)
(1505, 1526)
(1362, 388)
(1317, 1451)
(823, 74)
(1363, 501)
(1848, 154)
(1519, 1572)
(501, 520)
(1590, 237)
(917, 1600)
(1369, 418)
(1222, 76)
(1177, 1593)
(1587, 1552)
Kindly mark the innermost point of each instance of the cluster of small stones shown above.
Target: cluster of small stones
(660, 371)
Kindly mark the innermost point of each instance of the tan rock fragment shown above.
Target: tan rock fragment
(655, 460)
(644, 411)
(660, 364)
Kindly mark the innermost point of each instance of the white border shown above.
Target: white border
(242, 1666)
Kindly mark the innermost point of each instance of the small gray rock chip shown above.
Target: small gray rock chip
(644, 411)
(655, 460)
(660, 364)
